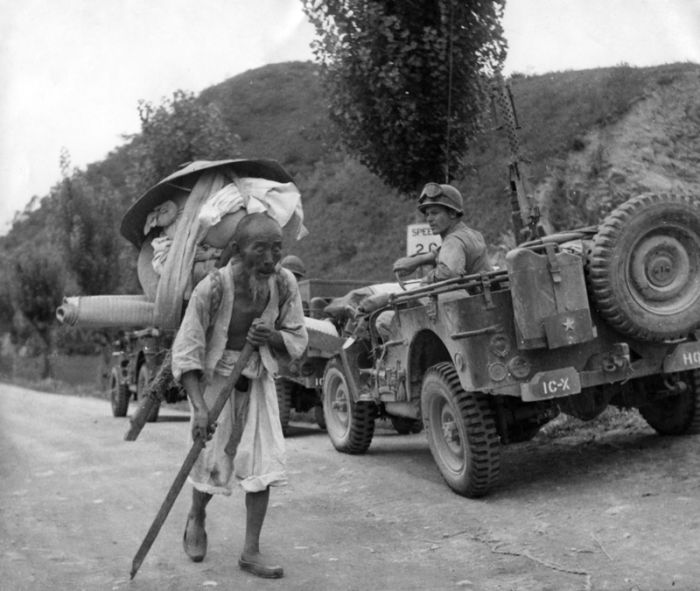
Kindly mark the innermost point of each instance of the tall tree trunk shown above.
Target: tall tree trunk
(46, 365)
(46, 368)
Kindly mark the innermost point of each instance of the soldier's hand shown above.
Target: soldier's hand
(201, 429)
(405, 265)
(260, 332)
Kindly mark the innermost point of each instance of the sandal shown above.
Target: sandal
(196, 552)
(261, 570)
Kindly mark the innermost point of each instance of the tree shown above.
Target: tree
(37, 281)
(180, 130)
(87, 226)
(406, 80)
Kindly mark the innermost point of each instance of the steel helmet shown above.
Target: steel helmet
(295, 265)
(445, 195)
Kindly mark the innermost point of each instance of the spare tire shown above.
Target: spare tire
(644, 267)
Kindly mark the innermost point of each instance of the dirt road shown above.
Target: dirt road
(613, 512)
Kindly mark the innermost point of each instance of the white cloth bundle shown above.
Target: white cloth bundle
(281, 201)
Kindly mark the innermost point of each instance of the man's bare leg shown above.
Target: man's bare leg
(195, 538)
(251, 559)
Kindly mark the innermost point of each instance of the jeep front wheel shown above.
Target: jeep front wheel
(461, 431)
(677, 414)
(118, 394)
(350, 424)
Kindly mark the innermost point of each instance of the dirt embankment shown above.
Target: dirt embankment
(654, 148)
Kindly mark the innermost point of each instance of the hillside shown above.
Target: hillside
(654, 147)
(591, 138)
(277, 111)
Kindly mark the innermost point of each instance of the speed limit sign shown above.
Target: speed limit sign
(420, 239)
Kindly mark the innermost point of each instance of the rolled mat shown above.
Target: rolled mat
(106, 311)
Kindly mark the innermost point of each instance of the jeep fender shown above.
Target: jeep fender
(353, 355)
(426, 349)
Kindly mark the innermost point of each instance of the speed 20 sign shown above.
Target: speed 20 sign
(420, 239)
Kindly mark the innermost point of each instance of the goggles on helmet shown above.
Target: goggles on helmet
(443, 195)
(430, 191)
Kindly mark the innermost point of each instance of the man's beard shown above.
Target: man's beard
(259, 289)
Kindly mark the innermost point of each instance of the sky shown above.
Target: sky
(73, 71)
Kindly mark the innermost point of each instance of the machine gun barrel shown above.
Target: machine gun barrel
(525, 215)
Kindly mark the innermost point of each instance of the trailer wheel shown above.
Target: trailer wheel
(644, 267)
(406, 426)
(118, 394)
(350, 424)
(461, 431)
(285, 388)
(678, 414)
(142, 382)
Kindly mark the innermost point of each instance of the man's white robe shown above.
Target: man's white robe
(200, 345)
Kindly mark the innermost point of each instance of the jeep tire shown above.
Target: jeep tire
(118, 394)
(350, 424)
(461, 431)
(643, 267)
(678, 414)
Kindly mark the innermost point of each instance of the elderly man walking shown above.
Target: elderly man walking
(252, 299)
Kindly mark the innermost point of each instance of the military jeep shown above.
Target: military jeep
(576, 321)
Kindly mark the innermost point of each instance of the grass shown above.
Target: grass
(53, 386)
(78, 375)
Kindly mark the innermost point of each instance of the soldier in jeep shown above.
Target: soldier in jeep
(463, 249)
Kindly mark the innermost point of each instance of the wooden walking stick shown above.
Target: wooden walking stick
(191, 458)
